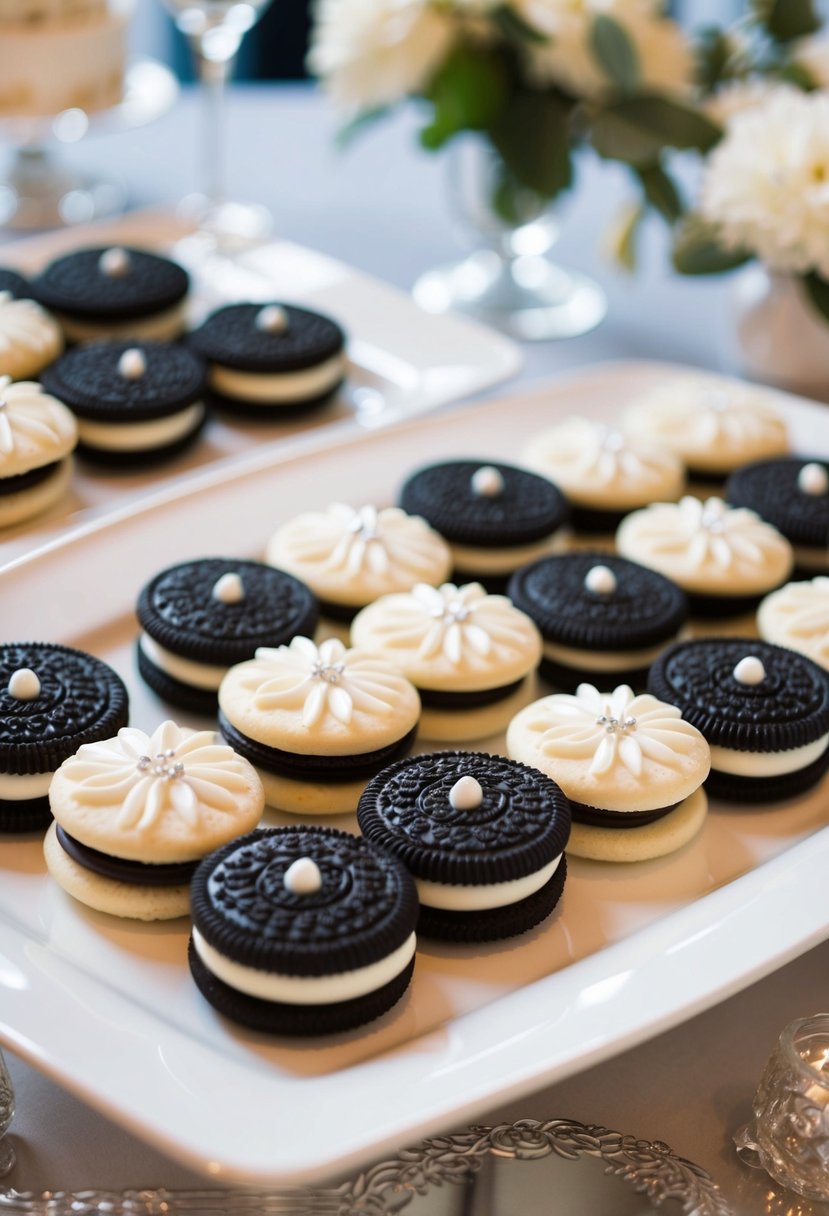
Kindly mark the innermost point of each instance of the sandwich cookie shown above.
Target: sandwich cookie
(200, 617)
(793, 495)
(482, 836)
(133, 402)
(269, 360)
(631, 766)
(599, 615)
(136, 813)
(797, 617)
(349, 556)
(470, 655)
(115, 293)
(764, 711)
(29, 338)
(37, 436)
(495, 517)
(712, 424)
(317, 723)
(302, 931)
(52, 701)
(604, 473)
(724, 558)
(14, 284)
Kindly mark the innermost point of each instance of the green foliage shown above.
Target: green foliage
(714, 54)
(532, 136)
(817, 290)
(466, 93)
(697, 249)
(636, 129)
(365, 119)
(661, 191)
(615, 53)
(514, 28)
(786, 20)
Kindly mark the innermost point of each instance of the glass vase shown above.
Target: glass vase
(507, 281)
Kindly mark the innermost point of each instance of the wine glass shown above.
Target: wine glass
(214, 30)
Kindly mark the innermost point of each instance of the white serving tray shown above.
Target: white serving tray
(402, 360)
(108, 1008)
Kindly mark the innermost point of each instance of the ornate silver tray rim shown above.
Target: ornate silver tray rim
(648, 1167)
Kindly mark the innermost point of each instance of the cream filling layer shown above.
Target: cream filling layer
(470, 560)
(188, 671)
(304, 989)
(276, 388)
(17, 787)
(602, 660)
(767, 764)
(136, 436)
(162, 325)
(456, 897)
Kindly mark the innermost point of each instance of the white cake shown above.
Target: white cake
(60, 54)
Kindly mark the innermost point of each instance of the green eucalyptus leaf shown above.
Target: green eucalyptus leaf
(817, 290)
(714, 53)
(637, 129)
(799, 76)
(358, 124)
(615, 53)
(532, 136)
(786, 20)
(514, 27)
(466, 93)
(697, 249)
(661, 191)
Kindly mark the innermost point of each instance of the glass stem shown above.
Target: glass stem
(213, 73)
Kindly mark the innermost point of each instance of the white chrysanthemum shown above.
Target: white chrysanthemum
(370, 53)
(664, 53)
(740, 95)
(767, 184)
(812, 54)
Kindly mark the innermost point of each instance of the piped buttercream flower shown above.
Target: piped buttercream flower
(32, 422)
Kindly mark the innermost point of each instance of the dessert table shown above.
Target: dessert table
(381, 207)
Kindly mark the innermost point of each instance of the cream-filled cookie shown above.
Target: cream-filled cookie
(349, 556)
(469, 654)
(631, 766)
(37, 437)
(135, 813)
(797, 617)
(317, 722)
(724, 558)
(29, 338)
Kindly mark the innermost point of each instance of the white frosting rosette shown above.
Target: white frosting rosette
(707, 547)
(451, 637)
(324, 700)
(797, 617)
(171, 796)
(29, 337)
(35, 429)
(711, 423)
(598, 466)
(351, 555)
(612, 750)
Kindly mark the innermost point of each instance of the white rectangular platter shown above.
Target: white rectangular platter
(402, 361)
(108, 1008)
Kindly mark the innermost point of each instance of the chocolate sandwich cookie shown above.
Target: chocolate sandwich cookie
(29, 338)
(631, 766)
(495, 517)
(604, 473)
(135, 814)
(134, 401)
(764, 711)
(482, 836)
(302, 931)
(266, 360)
(792, 494)
(200, 617)
(14, 284)
(470, 655)
(114, 292)
(317, 722)
(725, 558)
(599, 615)
(37, 437)
(52, 700)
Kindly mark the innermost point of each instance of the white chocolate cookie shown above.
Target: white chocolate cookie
(713, 424)
(29, 338)
(597, 466)
(35, 429)
(613, 751)
(797, 617)
(708, 548)
(351, 556)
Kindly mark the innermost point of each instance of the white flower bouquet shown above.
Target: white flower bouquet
(534, 78)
